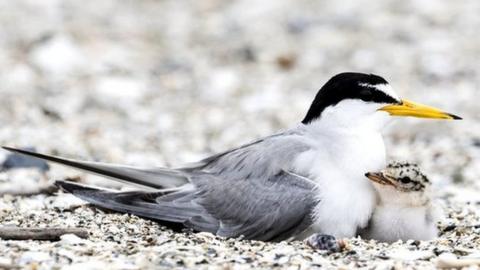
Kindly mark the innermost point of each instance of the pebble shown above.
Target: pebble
(71, 239)
(15, 160)
(451, 261)
(34, 257)
(58, 56)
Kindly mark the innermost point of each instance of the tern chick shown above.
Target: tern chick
(405, 210)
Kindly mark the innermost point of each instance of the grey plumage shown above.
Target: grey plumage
(238, 192)
(145, 177)
(274, 209)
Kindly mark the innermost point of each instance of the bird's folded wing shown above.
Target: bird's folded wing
(149, 177)
(175, 205)
(274, 208)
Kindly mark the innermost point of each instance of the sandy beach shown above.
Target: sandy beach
(163, 83)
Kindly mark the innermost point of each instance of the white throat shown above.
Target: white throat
(345, 144)
(389, 196)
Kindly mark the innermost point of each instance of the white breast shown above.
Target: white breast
(338, 162)
(391, 223)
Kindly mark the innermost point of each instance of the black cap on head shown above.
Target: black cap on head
(348, 85)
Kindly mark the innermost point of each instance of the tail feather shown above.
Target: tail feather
(140, 203)
(157, 178)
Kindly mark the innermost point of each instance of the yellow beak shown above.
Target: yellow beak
(409, 108)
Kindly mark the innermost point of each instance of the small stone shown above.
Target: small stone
(15, 160)
(71, 239)
(34, 257)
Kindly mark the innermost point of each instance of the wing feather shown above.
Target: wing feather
(277, 209)
(246, 191)
(147, 177)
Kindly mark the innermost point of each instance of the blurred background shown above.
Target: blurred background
(168, 82)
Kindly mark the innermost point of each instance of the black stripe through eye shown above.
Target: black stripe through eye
(343, 86)
(366, 92)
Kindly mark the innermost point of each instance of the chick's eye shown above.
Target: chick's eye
(405, 180)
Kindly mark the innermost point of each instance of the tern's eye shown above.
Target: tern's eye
(366, 92)
(405, 180)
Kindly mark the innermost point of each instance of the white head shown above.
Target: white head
(351, 99)
(401, 183)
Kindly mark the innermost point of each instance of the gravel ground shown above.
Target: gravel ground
(168, 82)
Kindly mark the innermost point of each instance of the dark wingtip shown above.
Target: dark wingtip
(455, 117)
(11, 149)
(17, 150)
(69, 186)
(64, 185)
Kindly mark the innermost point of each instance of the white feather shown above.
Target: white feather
(386, 88)
(402, 215)
(345, 144)
(400, 220)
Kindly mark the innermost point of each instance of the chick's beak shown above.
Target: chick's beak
(410, 108)
(378, 178)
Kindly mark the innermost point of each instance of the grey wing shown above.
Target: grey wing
(257, 160)
(252, 191)
(156, 178)
(245, 191)
(275, 208)
(172, 205)
(160, 178)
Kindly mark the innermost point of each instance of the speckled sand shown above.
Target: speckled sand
(168, 82)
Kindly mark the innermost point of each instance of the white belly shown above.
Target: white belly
(346, 196)
(390, 223)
